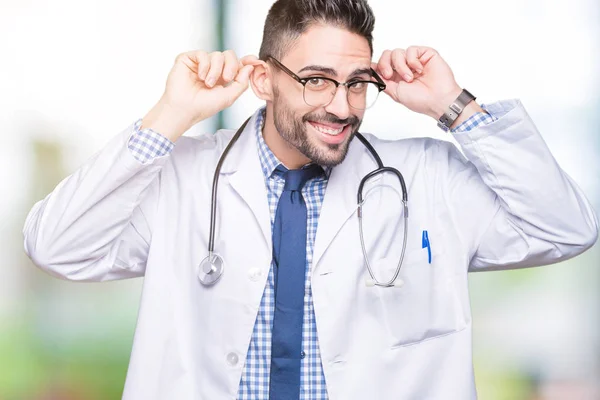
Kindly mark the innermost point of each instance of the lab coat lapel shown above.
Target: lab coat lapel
(339, 203)
(247, 179)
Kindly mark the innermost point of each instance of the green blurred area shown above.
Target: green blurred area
(35, 368)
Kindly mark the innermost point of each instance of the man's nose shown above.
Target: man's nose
(339, 104)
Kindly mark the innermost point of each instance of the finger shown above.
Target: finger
(377, 70)
(400, 66)
(240, 83)
(412, 59)
(203, 61)
(385, 64)
(192, 59)
(216, 68)
(427, 55)
(243, 77)
(231, 65)
(250, 60)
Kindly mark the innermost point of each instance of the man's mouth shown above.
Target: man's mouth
(328, 129)
(330, 133)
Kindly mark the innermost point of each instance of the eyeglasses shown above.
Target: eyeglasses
(319, 91)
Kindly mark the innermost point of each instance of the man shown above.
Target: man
(295, 312)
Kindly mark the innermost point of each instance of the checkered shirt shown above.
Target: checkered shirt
(147, 144)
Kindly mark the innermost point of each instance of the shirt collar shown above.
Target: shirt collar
(268, 161)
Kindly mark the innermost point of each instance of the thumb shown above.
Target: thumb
(240, 83)
(250, 60)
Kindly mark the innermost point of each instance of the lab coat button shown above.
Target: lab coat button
(232, 359)
(254, 274)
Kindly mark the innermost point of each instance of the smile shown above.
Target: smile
(331, 134)
(328, 130)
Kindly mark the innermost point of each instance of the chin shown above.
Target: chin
(328, 155)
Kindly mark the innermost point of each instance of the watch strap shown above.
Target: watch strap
(455, 109)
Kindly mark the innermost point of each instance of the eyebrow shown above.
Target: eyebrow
(319, 68)
(333, 72)
(361, 71)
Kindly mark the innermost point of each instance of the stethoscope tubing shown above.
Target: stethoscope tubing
(213, 199)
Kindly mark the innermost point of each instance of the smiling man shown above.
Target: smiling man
(277, 264)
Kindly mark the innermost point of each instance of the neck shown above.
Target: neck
(284, 151)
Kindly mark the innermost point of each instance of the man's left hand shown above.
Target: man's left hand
(419, 79)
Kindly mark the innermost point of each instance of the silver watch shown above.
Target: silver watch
(455, 109)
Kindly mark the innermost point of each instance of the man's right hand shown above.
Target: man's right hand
(199, 85)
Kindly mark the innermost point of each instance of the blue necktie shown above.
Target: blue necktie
(289, 254)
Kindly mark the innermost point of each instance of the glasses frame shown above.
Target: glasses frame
(303, 81)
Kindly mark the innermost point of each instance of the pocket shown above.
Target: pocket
(427, 305)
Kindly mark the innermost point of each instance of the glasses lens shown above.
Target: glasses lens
(363, 95)
(318, 92)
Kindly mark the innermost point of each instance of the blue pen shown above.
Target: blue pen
(426, 244)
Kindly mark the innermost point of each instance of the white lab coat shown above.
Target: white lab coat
(509, 206)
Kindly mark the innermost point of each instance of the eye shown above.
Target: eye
(315, 83)
(358, 86)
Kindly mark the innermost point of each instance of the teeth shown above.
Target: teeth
(328, 131)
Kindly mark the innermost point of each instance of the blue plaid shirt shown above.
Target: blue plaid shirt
(254, 385)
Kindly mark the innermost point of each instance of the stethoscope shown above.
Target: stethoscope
(211, 268)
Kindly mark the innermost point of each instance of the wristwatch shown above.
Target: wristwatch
(455, 109)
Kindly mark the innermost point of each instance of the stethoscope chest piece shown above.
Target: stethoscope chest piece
(211, 269)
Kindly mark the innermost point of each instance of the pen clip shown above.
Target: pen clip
(426, 243)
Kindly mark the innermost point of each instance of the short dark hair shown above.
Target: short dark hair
(287, 20)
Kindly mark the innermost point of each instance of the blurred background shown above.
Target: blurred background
(74, 74)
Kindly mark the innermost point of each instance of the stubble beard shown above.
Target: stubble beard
(294, 131)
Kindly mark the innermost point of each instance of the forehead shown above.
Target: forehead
(329, 46)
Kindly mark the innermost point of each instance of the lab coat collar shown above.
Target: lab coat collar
(243, 168)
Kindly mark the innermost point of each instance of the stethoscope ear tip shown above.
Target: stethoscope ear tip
(398, 283)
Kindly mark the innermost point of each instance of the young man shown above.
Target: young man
(304, 300)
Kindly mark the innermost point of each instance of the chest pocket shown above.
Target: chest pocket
(427, 305)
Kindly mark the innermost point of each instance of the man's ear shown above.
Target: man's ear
(261, 83)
